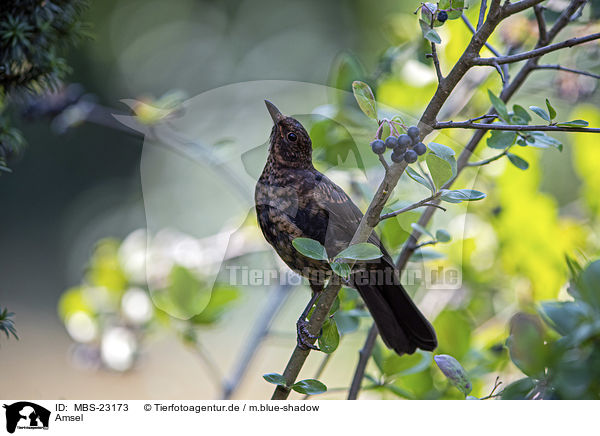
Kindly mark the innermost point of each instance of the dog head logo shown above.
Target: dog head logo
(24, 414)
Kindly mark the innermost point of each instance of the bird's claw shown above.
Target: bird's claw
(304, 337)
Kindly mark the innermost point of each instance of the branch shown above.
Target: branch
(539, 15)
(570, 70)
(472, 29)
(488, 160)
(482, 10)
(424, 202)
(436, 62)
(299, 355)
(511, 127)
(364, 355)
(536, 52)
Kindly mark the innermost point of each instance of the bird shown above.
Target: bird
(295, 200)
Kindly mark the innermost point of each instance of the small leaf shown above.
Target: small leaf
(500, 139)
(429, 33)
(498, 105)
(540, 112)
(459, 195)
(574, 123)
(309, 387)
(365, 98)
(551, 110)
(517, 161)
(330, 337)
(421, 229)
(541, 140)
(442, 236)
(362, 251)
(274, 378)
(521, 112)
(427, 11)
(424, 255)
(440, 170)
(419, 178)
(454, 372)
(342, 269)
(310, 248)
(526, 344)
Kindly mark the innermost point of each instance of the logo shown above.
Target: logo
(26, 415)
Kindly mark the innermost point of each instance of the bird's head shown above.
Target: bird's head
(290, 144)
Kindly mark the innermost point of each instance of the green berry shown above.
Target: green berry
(414, 133)
(378, 146)
(442, 16)
(391, 142)
(410, 156)
(420, 148)
(404, 141)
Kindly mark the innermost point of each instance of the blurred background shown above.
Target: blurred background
(73, 223)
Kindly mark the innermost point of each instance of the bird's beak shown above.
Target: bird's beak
(274, 112)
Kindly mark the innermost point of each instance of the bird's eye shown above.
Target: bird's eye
(292, 136)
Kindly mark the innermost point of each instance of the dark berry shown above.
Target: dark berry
(442, 16)
(410, 156)
(414, 132)
(391, 142)
(378, 146)
(397, 156)
(404, 141)
(420, 148)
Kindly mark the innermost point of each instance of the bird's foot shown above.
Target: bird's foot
(304, 337)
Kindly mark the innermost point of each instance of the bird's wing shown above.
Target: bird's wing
(343, 217)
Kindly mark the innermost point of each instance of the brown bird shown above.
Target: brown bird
(295, 200)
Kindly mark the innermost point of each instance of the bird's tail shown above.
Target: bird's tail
(401, 324)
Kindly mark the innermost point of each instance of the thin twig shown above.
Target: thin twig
(383, 162)
(487, 161)
(424, 244)
(536, 52)
(364, 355)
(436, 63)
(512, 127)
(482, 10)
(416, 205)
(259, 332)
(539, 15)
(569, 70)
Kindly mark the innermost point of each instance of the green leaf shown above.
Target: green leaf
(365, 98)
(440, 170)
(442, 236)
(540, 112)
(330, 337)
(459, 195)
(424, 255)
(395, 365)
(310, 248)
(500, 139)
(519, 389)
(551, 110)
(427, 11)
(362, 251)
(541, 140)
(346, 322)
(521, 112)
(564, 316)
(185, 295)
(430, 34)
(588, 284)
(452, 4)
(454, 372)
(220, 300)
(342, 269)
(274, 378)
(498, 105)
(574, 123)
(454, 329)
(419, 178)
(309, 387)
(421, 229)
(517, 161)
(526, 344)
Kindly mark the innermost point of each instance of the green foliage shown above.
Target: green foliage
(330, 337)
(308, 386)
(560, 353)
(365, 99)
(7, 324)
(310, 248)
(361, 251)
(34, 38)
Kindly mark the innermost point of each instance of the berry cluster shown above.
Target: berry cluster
(406, 147)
